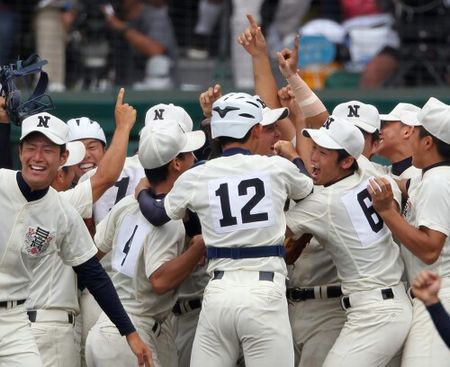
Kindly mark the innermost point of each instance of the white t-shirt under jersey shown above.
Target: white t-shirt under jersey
(31, 230)
(239, 200)
(342, 219)
(137, 250)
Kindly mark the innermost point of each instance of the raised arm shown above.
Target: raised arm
(255, 44)
(111, 165)
(313, 109)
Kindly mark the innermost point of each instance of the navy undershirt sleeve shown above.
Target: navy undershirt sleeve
(92, 275)
(441, 320)
(152, 209)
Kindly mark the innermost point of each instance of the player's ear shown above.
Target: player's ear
(407, 131)
(347, 162)
(63, 158)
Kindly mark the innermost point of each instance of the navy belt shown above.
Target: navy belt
(245, 252)
(182, 307)
(10, 304)
(303, 294)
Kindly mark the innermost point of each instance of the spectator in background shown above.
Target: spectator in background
(426, 287)
(144, 46)
(8, 25)
(52, 20)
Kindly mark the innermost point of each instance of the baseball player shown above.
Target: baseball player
(90, 133)
(340, 216)
(244, 302)
(36, 223)
(424, 229)
(53, 302)
(148, 263)
(395, 139)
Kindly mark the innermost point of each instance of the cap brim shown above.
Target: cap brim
(321, 138)
(194, 140)
(410, 119)
(389, 117)
(77, 151)
(366, 127)
(271, 116)
(52, 137)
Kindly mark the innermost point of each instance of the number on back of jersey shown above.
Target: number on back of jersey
(242, 202)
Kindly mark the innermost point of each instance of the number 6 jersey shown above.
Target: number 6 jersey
(239, 199)
(341, 217)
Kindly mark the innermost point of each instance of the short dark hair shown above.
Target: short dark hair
(159, 174)
(443, 148)
(342, 154)
(223, 140)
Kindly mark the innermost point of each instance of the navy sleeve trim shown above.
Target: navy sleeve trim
(92, 275)
(441, 320)
(152, 208)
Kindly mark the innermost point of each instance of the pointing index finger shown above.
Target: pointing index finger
(252, 21)
(120, 97)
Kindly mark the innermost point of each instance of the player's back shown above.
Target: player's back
(239, 200)
(135, 247)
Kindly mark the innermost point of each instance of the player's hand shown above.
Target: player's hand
(140, 349)
(252, 39)
(125, 115)
(288, 60)
(4, 118)
(426, 287)
(207, 99)
(287, 99)
(142, 185)
(380, 191)
(285, 149)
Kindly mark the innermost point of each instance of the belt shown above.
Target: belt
(381, 294)
(245, 252)
(263, 275)
(182, 307)
(11, 304)
(51, 316)
(322, 292)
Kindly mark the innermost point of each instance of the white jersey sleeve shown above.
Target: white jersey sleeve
(433, 204)
(160, 247)
(80, 197)
(76, 246)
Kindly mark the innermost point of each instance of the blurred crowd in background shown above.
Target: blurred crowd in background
(189, 44)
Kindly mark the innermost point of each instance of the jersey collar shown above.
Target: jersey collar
(339, 179)
(26, 190)
(439, 164)
(401, 166)
(232, 151)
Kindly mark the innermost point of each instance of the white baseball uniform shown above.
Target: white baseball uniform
(428, 206)
(342, 219)
(53, 300)
(137, 249)
(187, 311)
(32, 230)
(131, 173)
(239, 200)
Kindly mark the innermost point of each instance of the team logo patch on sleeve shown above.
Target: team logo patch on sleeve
(37, 241)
